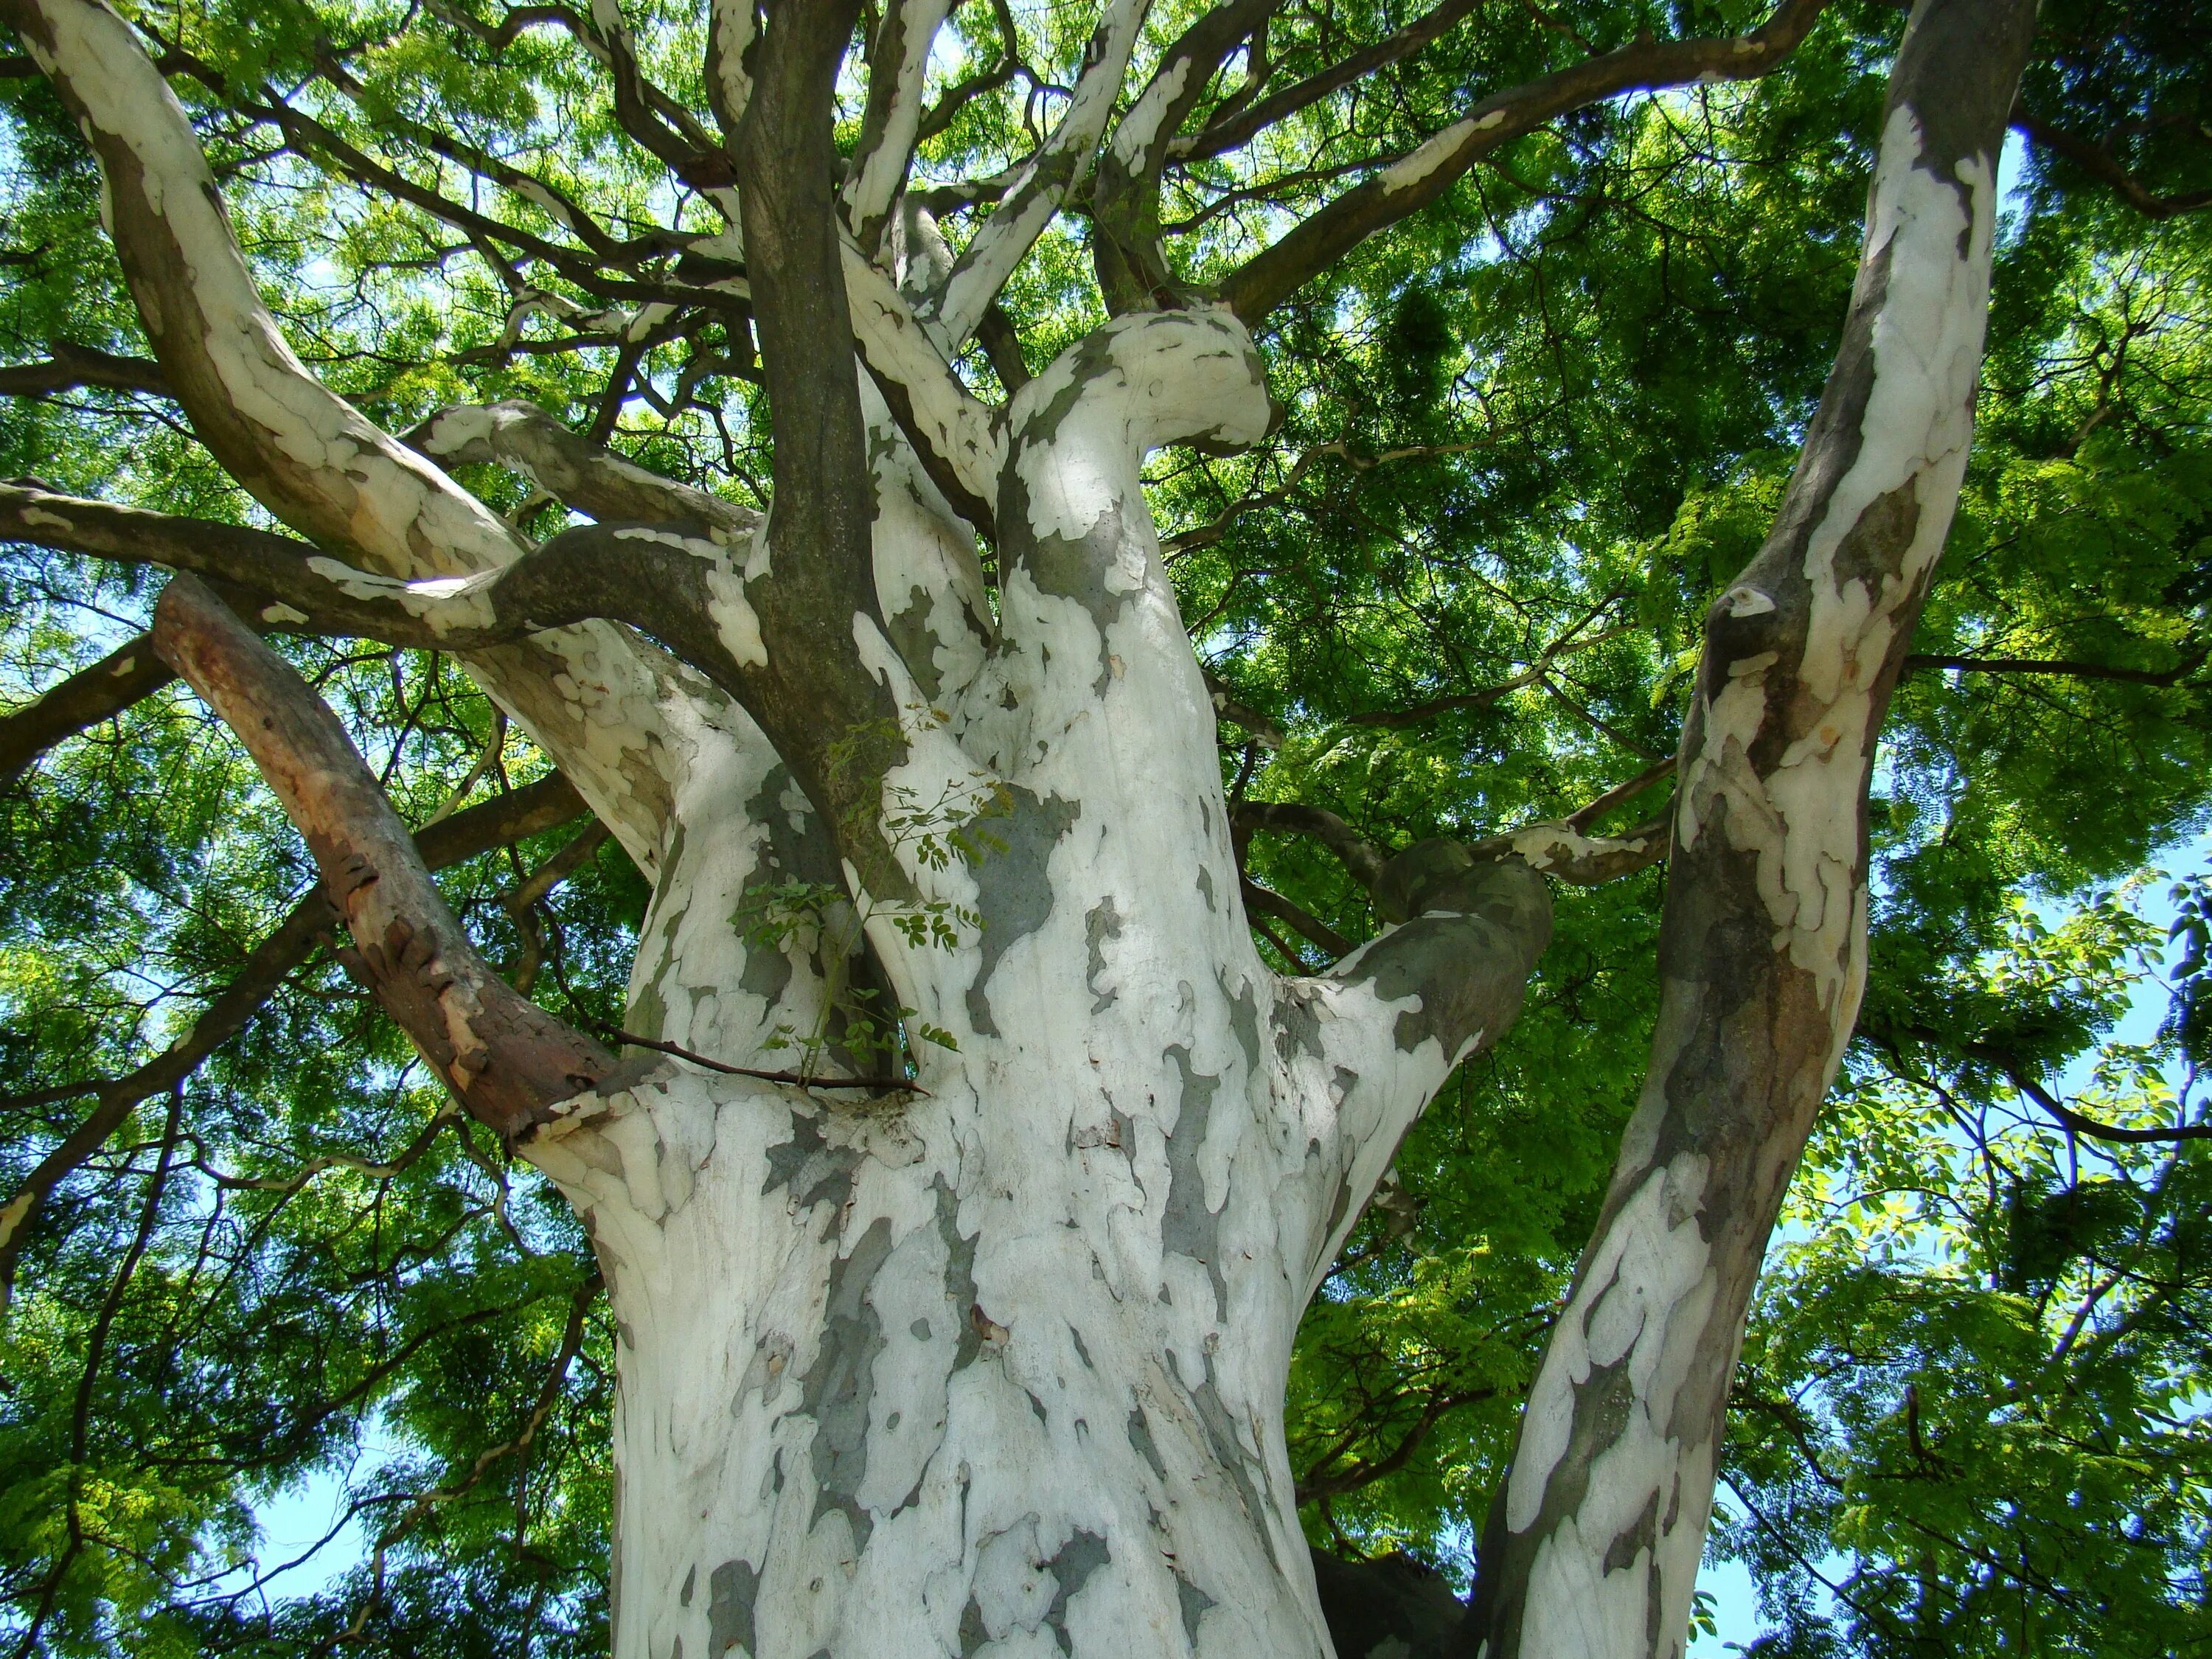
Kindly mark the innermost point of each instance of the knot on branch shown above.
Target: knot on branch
(1440, 875)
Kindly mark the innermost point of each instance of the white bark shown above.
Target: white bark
(1000, 1368)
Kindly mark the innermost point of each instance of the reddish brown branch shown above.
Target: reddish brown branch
(507, 1060)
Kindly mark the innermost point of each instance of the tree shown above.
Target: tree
(962, 1163)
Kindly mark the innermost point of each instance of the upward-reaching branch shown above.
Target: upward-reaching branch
(829, 715)
(303, 451)
(1318, 241)
(1598, 1526)
(1043, 184)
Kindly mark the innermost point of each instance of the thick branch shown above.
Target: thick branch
(2101, 165)
(509, 1061)
(100, 692)
(72, 365)
(834, 723)
(898, 58)
(1133, 271)
(1762, 949)
(1321, 238)
(1358, 855)
(2077, 670)
(579, 473)
(1043, 184)
(1240, 127)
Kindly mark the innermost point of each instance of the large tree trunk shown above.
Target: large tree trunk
(998, 1362)
(1004, 1363)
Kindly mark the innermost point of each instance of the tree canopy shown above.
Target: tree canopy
(1530, 424)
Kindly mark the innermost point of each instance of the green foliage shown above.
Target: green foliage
(1538, 426)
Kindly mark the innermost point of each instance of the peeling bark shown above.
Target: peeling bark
(1593, 1541)
(1000, 1366)
(505, 1058)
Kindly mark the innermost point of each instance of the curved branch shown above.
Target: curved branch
(529, 811)
(1762, 952)
(72, 365)
(1242, 126)
(1044, 180)
(299, 449)
(2100, 163)
(1321, 238)
(124, 676)
(1360, 857)
(579, 473)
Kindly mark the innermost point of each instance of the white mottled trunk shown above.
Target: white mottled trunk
(1000, 1366)
(994, 1373)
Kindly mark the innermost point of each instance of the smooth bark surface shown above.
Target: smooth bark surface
(1593, 1543)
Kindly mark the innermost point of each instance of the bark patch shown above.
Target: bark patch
(1013, 890)
(730, 1592)
(841, 1381)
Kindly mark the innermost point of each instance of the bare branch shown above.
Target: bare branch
(72, 365)
(1536, 673)
(1319, 240)
(2190, 663)
(509, 1061)
(1060, 163)
(582, 474)
(1270, 903)
(125, 675)
(1229, 131)
(2099, 162)
(1358, 855)
(514, 816)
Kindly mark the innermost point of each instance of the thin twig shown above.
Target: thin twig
(797, 1079)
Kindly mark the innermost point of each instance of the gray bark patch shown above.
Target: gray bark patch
(1228, 1453)
(1100, 923)
(1187, 1227)
(959, 1276)
(730, 1593)
(809, 1166)
(1140, 1437)
(841, 1381)
(1194, 1602)
(916, 641)
(1243, 1018)
(973, 1635)
(1297, 1027)
(1083, 1554)
(1013, 890)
